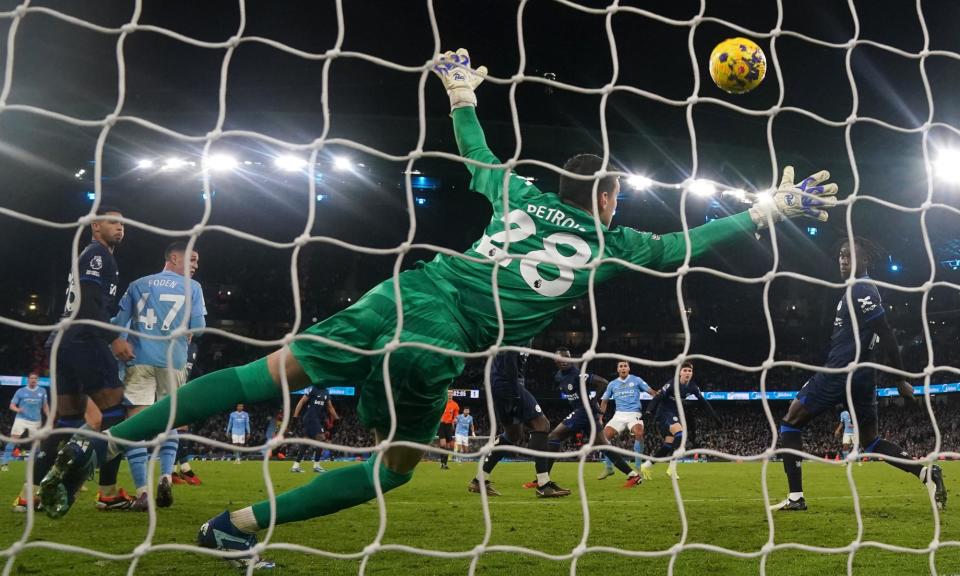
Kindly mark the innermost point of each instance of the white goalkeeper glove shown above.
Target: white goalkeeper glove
(459, 78)
(791, 200)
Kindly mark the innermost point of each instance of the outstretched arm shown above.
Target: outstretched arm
(890, 350)
(791, 200)
(460, 80)
(655, 403)
(299, 407)
(699, 395)
(600, 384)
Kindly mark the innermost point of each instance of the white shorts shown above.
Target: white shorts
(625, 421)
(462, 440)
(238, 438)
(847, 439)
(22, 424)
(145, 384)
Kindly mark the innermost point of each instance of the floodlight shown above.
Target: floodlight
(145, 164)
(342, 163)
(638, 182)
(289, 163)
(220, 162)
(947, 166)
(702, 188)
(174, 163)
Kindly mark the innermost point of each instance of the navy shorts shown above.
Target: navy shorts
(86, 367)
(824, 391)
(666, 419)
(516, 406)
(312, 427)
(578, 421)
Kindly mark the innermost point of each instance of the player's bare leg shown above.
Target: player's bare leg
(633, 477)
(607, 471)
(638, 447)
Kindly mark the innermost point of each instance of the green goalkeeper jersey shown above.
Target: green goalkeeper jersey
(546, 265)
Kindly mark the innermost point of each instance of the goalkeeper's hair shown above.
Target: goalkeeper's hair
(867, 250)
(579, 192)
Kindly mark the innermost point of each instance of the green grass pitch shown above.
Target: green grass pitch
(723, 504)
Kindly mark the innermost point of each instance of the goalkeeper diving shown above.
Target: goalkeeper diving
(542, 244)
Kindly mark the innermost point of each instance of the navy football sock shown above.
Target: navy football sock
(881, 446)
(791, 437)
(538, 441)
(490, 462)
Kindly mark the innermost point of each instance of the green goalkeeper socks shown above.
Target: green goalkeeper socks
(199, 399)
(329, 493)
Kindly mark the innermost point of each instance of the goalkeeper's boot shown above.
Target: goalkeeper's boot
(164, 493)
(633, 479)
(474, 487)
(191, 478)
(178, 478)
(606, 473)
(532, 484)
(788, 505)
(551, 490)
(935, 479)
(219, 533)
(74, 464)
(645, 470)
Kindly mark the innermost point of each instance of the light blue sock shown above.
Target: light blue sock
(168, 453)
(608, 463)
(638, 448)
(137, 460)
(7, 454)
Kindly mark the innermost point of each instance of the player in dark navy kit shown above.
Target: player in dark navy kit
(86, 360)
(568, 378)
(515, 407)
(664, 407)
(317, 408)
(824, 391)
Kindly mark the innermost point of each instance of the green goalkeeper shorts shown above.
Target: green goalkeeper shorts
(418, 378)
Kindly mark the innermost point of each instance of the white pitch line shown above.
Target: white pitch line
(498, 500)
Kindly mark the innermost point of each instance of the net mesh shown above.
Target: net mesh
(15, 18)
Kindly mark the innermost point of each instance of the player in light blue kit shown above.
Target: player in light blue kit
(238, 427)
(155, 306)
(625, 391)
(846, 426)
(463, 430)
(28, 402)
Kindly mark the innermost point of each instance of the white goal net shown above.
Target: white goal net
(625, 79)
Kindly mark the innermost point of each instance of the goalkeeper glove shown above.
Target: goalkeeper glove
(793, 200)
(458, 78)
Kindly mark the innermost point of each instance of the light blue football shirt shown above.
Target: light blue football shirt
(155, 305)
(463, 425)
(626, 393)
(30, 402)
